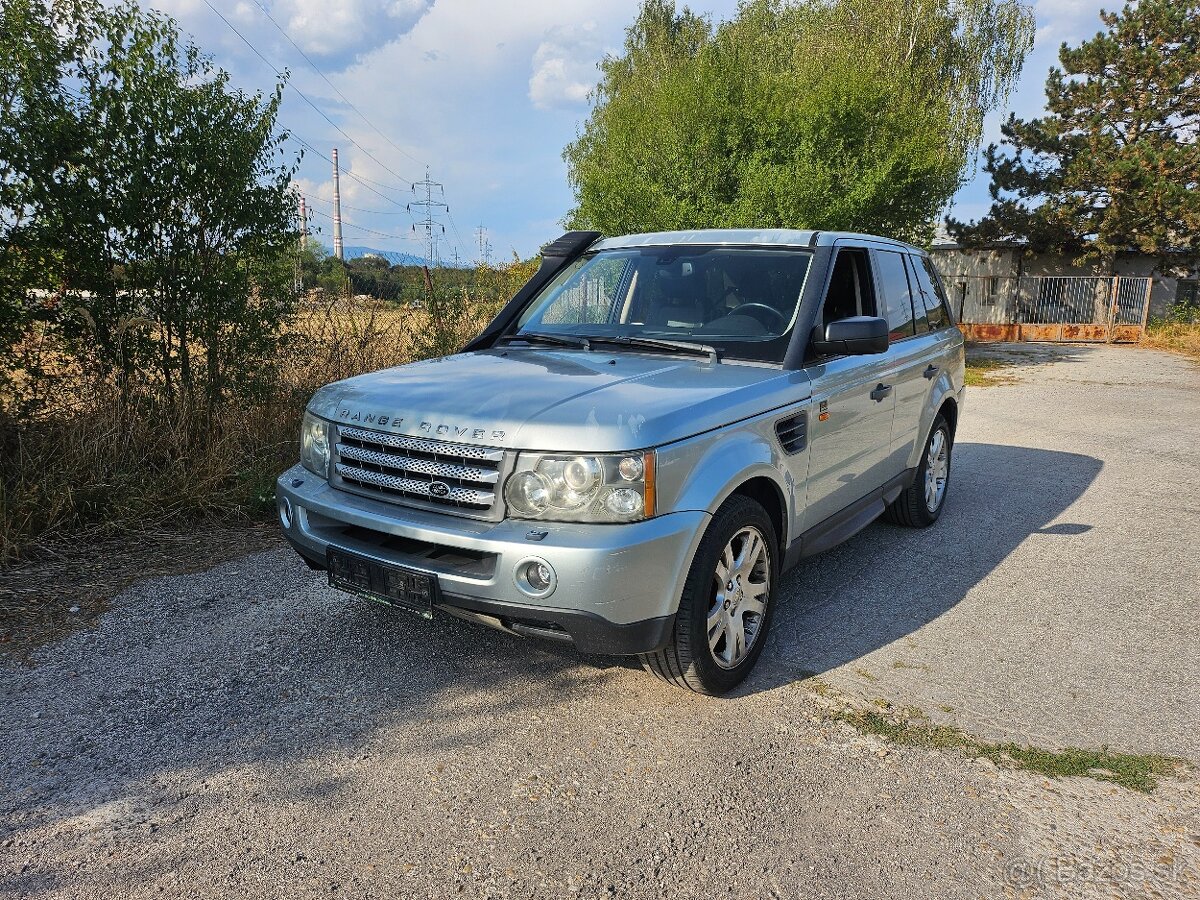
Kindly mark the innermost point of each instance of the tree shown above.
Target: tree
(160, 214)
(42, 42)
(852, 114)
(1114, 164)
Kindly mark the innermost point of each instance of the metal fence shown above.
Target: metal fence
(1051, 307)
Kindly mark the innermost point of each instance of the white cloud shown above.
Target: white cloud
(342, 32)
(1066, 20)
(564, 66)
(334, 34)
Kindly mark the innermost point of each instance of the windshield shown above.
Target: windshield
(741, 301)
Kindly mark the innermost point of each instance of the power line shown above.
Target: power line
(362, 180)
(460, 243)
(302, 95)
(485, 246)
(345, 224)
(428, 224)
(345, 99)
(349, 174)
(373, 212)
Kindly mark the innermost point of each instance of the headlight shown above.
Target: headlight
(562, 488)
(314, 445)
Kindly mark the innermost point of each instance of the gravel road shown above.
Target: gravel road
(247, 733)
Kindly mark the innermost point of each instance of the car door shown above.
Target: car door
(851, 425)
(910, 352)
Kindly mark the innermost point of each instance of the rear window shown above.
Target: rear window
(920, 314)
(897, 296)
(932, 295)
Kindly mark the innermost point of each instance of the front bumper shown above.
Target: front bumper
(618, 585)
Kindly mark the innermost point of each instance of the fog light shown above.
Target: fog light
(535, 577)
(285, 512)
(539, 576)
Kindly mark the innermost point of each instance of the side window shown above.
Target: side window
(920, 314)
(927, 294)
(850, 290)
(936, 301)
(896, 294)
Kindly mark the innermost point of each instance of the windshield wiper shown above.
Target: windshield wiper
(541, 337)
(645, 343)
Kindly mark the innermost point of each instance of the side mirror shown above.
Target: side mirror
(851, 337)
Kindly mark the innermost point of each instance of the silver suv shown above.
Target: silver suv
(651, 432)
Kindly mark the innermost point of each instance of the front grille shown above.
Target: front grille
(420, 472)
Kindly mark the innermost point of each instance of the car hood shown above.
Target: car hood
(568, 400)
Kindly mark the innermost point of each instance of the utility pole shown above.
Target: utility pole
(485, 246)
(429, 224)
(298, 278)
(337, 210)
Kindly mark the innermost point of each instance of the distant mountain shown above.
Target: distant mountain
(394, 257)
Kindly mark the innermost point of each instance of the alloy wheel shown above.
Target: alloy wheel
(937, 470)
(741, 590)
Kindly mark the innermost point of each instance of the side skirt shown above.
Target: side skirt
(847, 523)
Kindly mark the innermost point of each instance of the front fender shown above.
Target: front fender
(702, 472)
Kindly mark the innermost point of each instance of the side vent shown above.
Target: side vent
(793, 432)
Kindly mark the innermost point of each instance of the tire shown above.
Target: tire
(913, 507)
(690, 660)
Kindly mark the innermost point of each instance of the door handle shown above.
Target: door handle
(931, 371)
(881, 391)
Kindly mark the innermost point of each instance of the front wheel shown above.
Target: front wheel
(726, 607)
(921, 505)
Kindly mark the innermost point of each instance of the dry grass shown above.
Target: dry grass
(987, 371)
(1175, 337)
(98, 465)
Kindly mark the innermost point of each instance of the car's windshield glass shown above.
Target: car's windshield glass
(743, 301)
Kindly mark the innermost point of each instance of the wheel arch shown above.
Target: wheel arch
(949, 411)
(767, 494)
(942, 401)
(704, 474)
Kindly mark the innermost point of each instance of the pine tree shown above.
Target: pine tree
(1114, 164)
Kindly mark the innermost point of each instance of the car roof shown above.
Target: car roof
(766, 237)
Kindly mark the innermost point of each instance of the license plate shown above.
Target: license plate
(393, 585)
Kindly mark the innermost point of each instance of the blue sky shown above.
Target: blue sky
(484, 94)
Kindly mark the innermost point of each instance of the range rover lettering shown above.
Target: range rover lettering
(649, 434)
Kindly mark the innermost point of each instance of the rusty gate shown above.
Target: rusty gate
(1051, 307)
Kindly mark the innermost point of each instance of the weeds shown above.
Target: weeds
(1129, 770)
(1177, 337)
(100, 461)
(910, 727)
(987, 372)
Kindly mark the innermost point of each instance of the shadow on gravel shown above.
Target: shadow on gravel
(1028, 353)
(888, 581)
(257, 663)
(254, 664)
